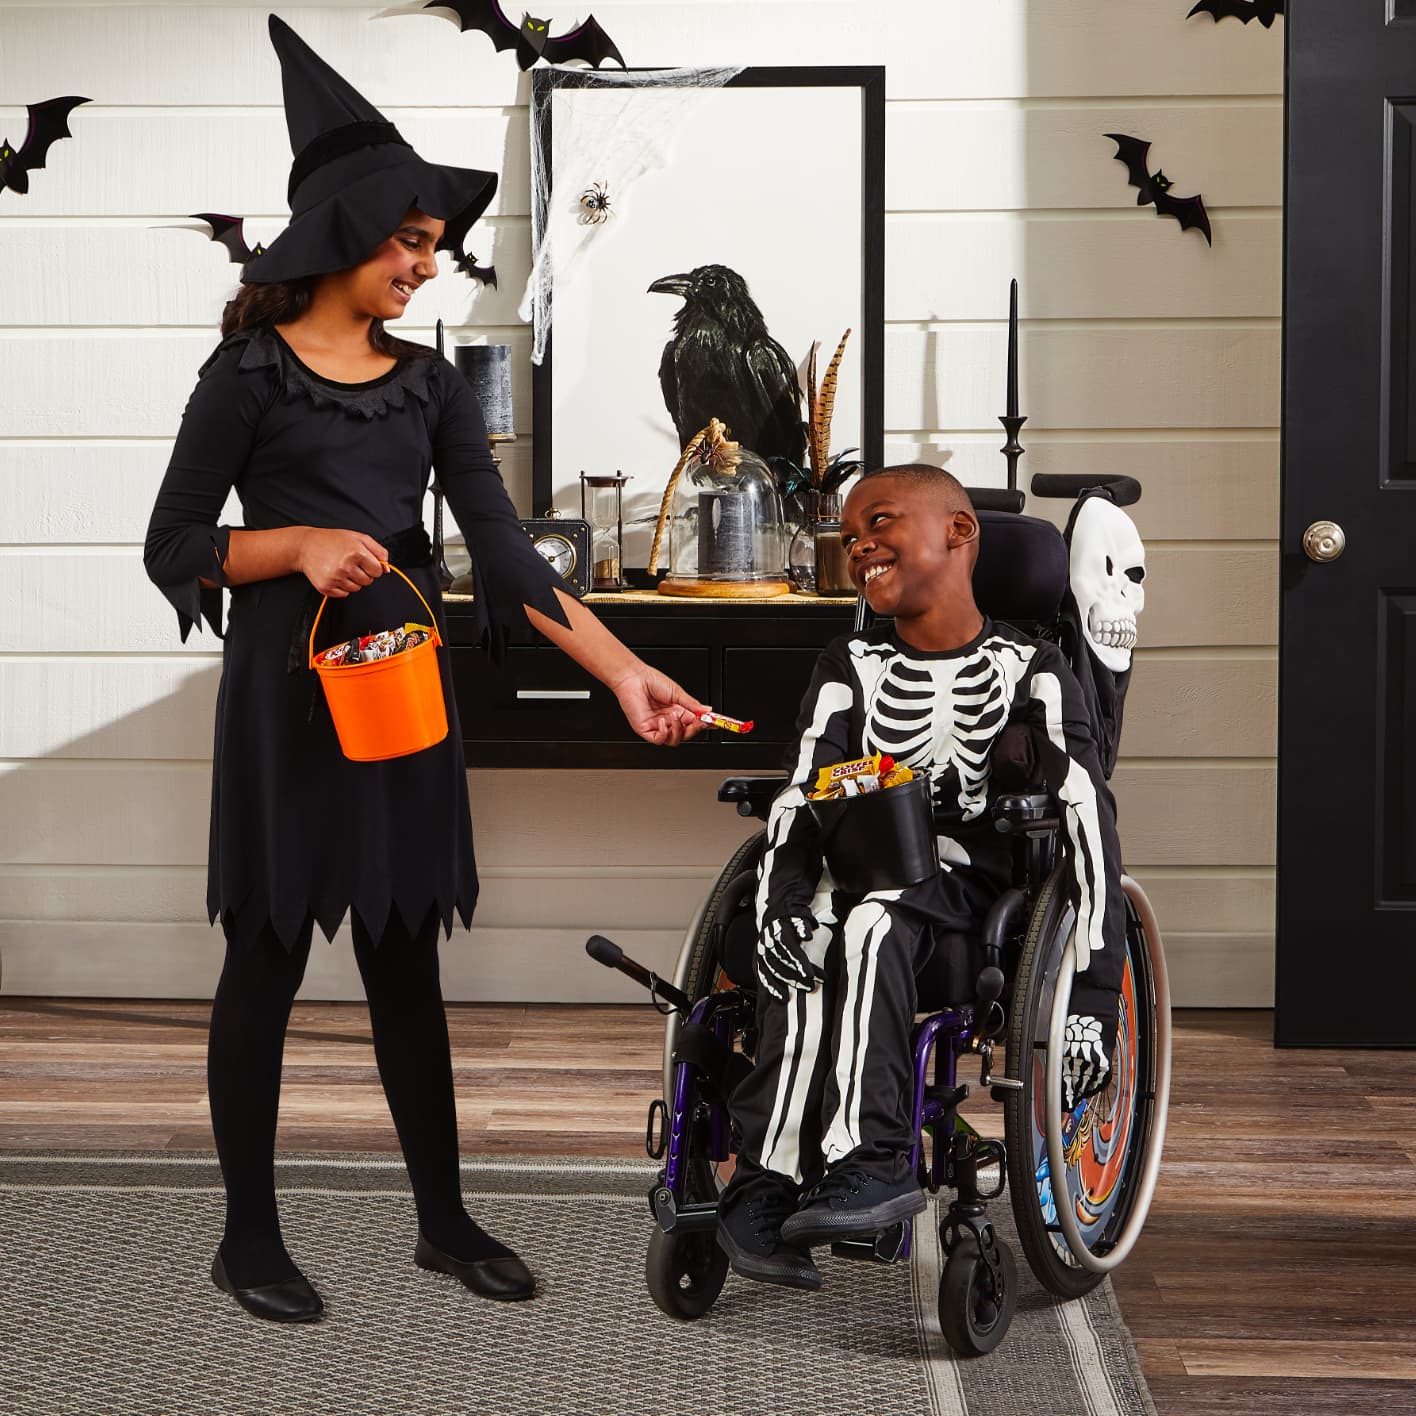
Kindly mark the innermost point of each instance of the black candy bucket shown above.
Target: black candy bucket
(880, 840)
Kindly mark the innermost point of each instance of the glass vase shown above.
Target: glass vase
(801, 557)
(833, 573)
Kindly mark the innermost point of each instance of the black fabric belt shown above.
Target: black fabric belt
(408, 550)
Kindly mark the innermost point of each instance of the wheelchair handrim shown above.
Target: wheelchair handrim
(692, 939)
(1098, 1165)
(1138, 1199)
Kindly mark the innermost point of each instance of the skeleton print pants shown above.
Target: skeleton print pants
(834, 1072)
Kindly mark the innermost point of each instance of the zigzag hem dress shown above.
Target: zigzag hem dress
(297, 829)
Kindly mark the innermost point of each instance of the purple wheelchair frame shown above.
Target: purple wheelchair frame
(941, 1037)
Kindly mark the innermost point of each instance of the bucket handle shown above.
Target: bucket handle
(432, 618)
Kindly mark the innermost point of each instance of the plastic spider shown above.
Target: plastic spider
(596, 203)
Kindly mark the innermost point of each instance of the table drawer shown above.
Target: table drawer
(767, 685)
(539, 694)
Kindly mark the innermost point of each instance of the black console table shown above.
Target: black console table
(748, 658)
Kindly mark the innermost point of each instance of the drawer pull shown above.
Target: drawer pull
(553, 693)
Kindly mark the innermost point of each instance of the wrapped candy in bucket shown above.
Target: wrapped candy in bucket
(877, 828)
(384, 690)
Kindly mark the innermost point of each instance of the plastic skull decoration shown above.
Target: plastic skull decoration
(1108, 571)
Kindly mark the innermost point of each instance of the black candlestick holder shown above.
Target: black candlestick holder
(440, 566)
(1012, 449)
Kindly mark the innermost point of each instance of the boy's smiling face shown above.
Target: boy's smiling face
(909, 544)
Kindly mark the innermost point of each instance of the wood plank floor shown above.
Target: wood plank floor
(1278, 1270)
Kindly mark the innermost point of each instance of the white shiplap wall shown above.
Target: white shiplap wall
(1142, 351)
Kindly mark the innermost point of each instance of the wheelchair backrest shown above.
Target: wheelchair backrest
(1021, 575)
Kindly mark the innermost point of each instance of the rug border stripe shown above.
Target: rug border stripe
(1093, 1380)
(341, 1158)
(941, 1366)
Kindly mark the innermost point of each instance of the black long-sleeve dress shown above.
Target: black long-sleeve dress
(297, 829)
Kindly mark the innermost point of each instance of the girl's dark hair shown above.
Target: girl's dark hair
(281, 301)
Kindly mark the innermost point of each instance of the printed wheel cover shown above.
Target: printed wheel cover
(1097, 1134)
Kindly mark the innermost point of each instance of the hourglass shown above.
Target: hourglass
(605, 513)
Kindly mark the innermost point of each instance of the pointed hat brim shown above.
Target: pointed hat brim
(364, 208)
(345, 207)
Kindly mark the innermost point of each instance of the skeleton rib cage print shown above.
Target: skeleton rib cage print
(942, 714)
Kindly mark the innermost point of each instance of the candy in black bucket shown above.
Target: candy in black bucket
(879, 840)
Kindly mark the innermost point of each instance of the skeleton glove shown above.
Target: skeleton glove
(1088, 1043)
(782, 961)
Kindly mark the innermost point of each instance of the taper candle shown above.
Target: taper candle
(1013, 351)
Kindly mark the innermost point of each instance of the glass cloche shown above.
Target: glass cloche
(725, 528)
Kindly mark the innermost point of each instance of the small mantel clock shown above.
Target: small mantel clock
(565, 543)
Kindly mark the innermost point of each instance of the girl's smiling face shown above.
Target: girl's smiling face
(382, 285)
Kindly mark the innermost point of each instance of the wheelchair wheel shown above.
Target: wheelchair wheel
(699, 971)
(1107, 1148)
(973, 1315)
(684, 1272)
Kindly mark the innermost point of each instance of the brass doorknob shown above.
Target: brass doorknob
(1324, 541)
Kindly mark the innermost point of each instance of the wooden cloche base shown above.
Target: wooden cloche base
(723, 589)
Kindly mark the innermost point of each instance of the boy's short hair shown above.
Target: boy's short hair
(936, 479)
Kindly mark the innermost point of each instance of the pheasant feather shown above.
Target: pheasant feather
(823, 408)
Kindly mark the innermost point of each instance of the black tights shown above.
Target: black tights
(249, 1016)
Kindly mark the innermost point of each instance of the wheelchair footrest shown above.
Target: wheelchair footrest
(671, 1216)
(882, 1248)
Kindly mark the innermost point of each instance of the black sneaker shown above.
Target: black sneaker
(849, 1204)
(750, 1234)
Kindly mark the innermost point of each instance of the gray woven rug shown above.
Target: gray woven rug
(105, 1305)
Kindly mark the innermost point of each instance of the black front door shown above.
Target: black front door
(1347, 665)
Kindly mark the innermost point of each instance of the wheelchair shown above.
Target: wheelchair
(1080, 1182)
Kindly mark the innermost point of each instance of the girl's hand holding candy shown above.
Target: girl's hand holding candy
(657, 708)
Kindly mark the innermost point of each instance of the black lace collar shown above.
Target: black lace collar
(265, 349)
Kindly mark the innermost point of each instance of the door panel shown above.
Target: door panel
(1347, 660)
(1397, 809)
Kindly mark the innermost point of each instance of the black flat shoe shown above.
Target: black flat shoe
(292, 1300)
(507, 1280)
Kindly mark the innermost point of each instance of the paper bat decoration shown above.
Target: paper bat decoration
(468, 266)
(227, 230)
(48, 122)
(532, 39)
(1261, 10)
(1188, 211)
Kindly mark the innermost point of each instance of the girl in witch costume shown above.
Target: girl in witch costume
(328, 428)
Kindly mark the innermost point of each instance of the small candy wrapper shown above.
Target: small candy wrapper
(371, 647)
(732, 725)
(863, 774)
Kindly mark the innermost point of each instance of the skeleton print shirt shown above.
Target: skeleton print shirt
(942, 713)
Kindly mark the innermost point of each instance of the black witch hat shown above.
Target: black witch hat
(353, 176)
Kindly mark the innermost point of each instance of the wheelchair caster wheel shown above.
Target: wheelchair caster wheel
(973, 1315)
(685, 1272)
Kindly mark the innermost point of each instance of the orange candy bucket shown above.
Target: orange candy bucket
(389, 707)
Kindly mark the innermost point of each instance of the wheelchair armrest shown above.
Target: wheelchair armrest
(753, 795)
(1024, 814)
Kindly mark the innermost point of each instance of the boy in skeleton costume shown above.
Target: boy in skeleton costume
(837, 998)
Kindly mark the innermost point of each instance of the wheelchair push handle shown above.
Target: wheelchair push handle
(996, 499)
(607, 952)
(1124, 491)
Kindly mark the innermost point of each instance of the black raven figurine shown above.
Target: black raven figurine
(722, 363)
